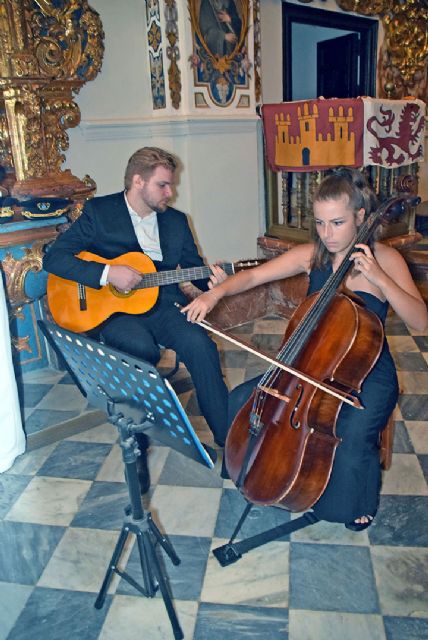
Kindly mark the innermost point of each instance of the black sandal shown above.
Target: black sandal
(359, 526)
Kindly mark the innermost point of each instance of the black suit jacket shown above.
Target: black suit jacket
(105, 228)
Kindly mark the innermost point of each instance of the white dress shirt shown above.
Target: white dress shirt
(147, 232)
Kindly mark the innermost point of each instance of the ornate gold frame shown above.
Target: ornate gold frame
(221, 63)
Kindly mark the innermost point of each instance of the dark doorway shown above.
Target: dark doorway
(338, 66)
(360, 58)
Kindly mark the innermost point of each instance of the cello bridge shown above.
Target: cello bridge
(274, 393)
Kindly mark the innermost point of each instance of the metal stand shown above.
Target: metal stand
(139, 522)
(136, 399)
(232, 551)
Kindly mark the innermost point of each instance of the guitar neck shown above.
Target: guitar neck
(160, 278)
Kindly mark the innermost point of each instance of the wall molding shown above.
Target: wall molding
(92, 130)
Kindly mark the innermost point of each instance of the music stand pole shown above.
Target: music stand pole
(140, 523)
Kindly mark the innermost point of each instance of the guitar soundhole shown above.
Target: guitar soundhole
(120, 294)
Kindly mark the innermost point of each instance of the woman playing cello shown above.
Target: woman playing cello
(380, 277)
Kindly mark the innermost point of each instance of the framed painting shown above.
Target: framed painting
(220, 55)
(221, 27)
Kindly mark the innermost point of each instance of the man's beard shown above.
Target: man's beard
(158, 207)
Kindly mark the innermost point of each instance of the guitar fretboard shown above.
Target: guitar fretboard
(180, 275)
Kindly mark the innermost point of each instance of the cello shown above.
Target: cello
(281, 445)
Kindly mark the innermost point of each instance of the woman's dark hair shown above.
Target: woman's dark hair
(337, 183)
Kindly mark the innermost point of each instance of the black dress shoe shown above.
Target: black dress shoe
(143, 472)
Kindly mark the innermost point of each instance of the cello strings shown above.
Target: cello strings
(291, 349)
(311, 318)
(307, 324)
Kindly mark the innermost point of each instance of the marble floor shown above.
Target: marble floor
(62, 507)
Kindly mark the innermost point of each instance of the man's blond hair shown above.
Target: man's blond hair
(144, 162)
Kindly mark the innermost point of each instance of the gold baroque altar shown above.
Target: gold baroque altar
(48, 51)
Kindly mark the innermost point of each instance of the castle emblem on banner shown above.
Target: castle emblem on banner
(310, 147)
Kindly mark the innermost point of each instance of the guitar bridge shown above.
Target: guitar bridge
(81, 290)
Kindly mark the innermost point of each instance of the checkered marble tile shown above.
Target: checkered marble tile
(48, 398)
(62, 509)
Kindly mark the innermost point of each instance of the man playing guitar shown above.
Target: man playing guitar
(139, 219)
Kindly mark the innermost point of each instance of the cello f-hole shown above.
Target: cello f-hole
(296, 424)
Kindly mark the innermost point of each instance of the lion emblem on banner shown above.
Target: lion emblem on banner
(397, 142)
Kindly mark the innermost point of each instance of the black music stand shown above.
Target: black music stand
(136, 399)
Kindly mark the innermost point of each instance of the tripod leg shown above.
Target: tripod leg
(112, 567)
(145, 557)
(149, 545)
(165, 544)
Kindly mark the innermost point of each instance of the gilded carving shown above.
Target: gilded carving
(5, 156)
(48, 50)
(67, 38)
(173, 52)
(22, 344)
(75, 211)
(154, 39)
(16, 271)
(403, 61)
(58, 114)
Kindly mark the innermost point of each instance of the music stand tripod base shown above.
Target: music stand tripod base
(147, 535)
(136, 399)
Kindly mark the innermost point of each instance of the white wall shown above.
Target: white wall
(271, 50)
(121, 89)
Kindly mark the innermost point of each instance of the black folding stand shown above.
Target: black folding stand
(136, 399)
(232, 551)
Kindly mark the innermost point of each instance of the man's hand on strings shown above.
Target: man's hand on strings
(123, 278)
(217, 275)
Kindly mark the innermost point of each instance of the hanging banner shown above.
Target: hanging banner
(394, 132)
(308, 135)
(312, 135)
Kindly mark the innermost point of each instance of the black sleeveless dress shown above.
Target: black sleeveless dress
(354, 486)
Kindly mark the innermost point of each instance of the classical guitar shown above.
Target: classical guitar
(79, 308)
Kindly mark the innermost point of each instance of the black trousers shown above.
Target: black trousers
(141, 335)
